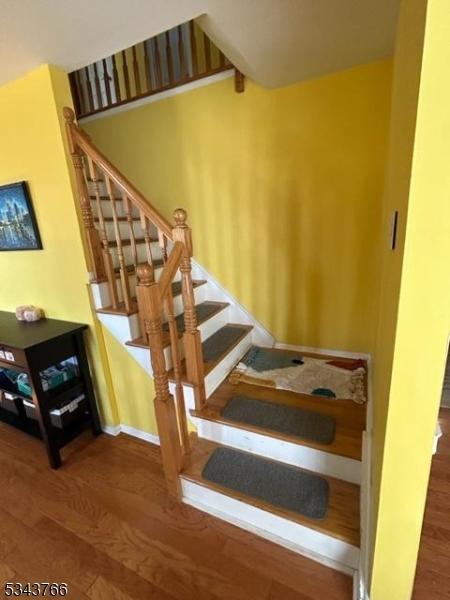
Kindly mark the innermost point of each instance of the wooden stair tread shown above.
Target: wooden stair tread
(209, 366)
(120, 219)
(342, 519)
(127, 242)
(350, 417)
(105, 198)
(121, 310)
(158, 263)
(219, 306)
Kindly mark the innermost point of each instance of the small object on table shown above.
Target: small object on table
(44, 374)
(29, 313)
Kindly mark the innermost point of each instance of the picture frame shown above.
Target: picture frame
(18, 226)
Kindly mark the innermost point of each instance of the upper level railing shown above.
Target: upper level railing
(114, 214)
(175, 57)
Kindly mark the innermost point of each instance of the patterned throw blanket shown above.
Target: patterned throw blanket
(302, 374)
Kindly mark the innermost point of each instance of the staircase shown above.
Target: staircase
(188, 333)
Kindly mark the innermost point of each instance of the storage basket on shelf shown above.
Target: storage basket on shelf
(63, 416)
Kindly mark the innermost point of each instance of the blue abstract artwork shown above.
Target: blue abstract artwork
(18, 227)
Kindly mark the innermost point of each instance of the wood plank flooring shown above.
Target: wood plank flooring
(104, 524)
(432, 575)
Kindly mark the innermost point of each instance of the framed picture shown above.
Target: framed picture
(18, 226)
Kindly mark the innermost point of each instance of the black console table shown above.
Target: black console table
(31, 348)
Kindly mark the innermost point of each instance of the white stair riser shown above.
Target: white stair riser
(101, 187)
(125, 328)
(218, 374)
(221, 370)
(106, 209)
(101, 297)
(319, 546)
(124, 229)
(141, 253)
(312, 459)
(238, 313)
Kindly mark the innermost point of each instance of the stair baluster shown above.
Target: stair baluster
(107, 79)
(166, 417)
(129, 216)
(116, 81)
(94, 246)
(126, 75)
(89, 89)
(153, 298)
(122, 264)
(162, 242)
(107, 257)
(176, 362)
(194, 51)
(191, 338)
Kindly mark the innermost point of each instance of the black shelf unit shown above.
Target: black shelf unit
(32, 348)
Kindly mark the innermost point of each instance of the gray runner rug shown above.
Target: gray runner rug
(203, 311)
(216, 345)
(278, 484)
(304, 424)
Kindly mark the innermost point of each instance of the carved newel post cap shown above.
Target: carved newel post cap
(144, 274)
(69, 115)
(180, 217)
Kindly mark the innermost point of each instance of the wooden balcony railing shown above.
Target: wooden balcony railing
(175, 57)
(112, 207)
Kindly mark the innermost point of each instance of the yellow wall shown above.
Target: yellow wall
(283, 191)
(406, 80)
(133, 388)
(32, 149)
(415, 316)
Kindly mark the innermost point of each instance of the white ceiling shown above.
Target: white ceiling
(275, 42)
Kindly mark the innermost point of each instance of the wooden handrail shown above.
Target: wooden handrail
(110, 217)
(84, 143)
(170, 269)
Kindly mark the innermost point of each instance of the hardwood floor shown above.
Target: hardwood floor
(104, 524)
(432, 574)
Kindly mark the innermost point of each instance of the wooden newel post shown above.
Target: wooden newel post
(191, 338)
(92, 235)
(145, 278)
(166, 418)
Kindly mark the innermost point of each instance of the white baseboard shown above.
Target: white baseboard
(111, 429)
(337, 353)
(137, 433)
(238, 313)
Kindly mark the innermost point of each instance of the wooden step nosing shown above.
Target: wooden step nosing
(105, 198)
(342, 519)
(265, 507)
(221, 306)
(120, 219)
(245, 331)
(128, 241)
(270, 433)
(312, 544)
(119, 312)
(209, 368)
